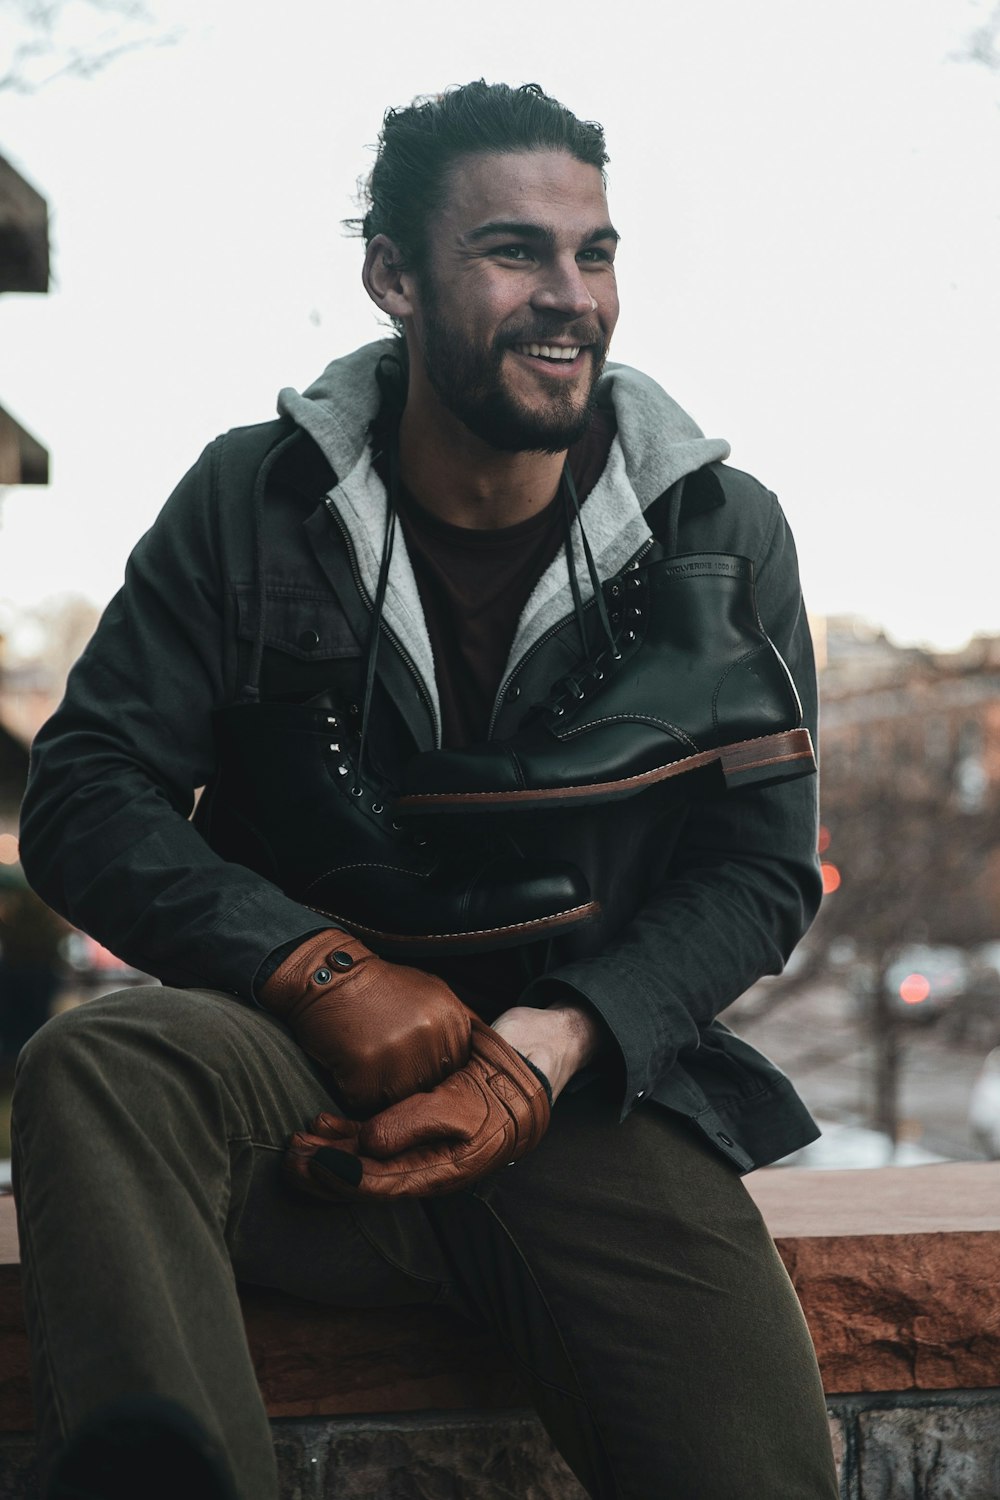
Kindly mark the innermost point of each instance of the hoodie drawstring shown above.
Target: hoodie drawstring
(388, 542)
(391, 378)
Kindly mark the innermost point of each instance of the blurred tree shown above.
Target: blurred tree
(910, 848)
(74, 38)
(982, 45)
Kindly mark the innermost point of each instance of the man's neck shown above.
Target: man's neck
(463, 480)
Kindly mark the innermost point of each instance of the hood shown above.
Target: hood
(657, 443)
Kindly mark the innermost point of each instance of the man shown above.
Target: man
(360, 601)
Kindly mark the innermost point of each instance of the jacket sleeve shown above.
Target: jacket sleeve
(743, 886)
(105, 836)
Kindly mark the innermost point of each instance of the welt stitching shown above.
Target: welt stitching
(673, 729)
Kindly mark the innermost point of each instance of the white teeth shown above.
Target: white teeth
(549, 351)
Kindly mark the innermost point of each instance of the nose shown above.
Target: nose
(563, 289)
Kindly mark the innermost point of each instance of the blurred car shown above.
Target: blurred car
(924, 980)
(984, 1106)
(986, 957)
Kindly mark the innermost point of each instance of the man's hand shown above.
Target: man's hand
(485, 1116)
(559, 1040)
(384, 1031)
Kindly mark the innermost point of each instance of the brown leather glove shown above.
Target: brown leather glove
(383, 1030)
(487, 1115)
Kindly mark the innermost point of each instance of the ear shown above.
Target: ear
(389, 286)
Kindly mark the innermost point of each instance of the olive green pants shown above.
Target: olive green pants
(624, 1266)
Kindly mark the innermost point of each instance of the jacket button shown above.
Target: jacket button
(342, 960)
(308, 640)
(513, 693)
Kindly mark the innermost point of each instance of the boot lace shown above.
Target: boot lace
(596, 662)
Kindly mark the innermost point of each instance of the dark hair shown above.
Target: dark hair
(419, 143)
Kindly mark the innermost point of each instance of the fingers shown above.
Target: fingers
(335, 1137)
(455, 1112)
(484, 1117)
(428, 1171)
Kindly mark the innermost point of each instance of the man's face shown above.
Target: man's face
(518, 302)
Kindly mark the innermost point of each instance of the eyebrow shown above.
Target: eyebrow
(536, 232)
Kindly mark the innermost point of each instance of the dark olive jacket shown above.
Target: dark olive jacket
(247, 584)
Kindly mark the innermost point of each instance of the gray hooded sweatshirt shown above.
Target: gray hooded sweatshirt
(657, 443)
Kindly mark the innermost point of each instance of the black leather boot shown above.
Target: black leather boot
(290, 802)
(690, 681)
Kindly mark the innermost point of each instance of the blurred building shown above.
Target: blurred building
(918, 731)
(24, 267)
(933, 713)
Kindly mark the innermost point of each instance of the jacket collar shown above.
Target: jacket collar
(657, 445)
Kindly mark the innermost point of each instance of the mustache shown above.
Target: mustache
(544, 333)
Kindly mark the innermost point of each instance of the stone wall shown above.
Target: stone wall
(888, 1446)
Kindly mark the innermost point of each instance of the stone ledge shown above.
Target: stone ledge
(895, 1268)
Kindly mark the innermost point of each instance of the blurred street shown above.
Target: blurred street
(819, 1039)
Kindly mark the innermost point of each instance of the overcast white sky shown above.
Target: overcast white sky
(809, 197)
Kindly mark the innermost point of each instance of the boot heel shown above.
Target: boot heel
(774, 757)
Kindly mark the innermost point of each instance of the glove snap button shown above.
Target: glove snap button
(342, 960)
(322, 976)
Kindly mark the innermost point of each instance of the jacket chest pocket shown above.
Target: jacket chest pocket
(308, 645)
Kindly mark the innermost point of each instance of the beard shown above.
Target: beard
(468, 380)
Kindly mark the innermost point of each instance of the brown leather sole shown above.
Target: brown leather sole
(484, 940)
(772, 757)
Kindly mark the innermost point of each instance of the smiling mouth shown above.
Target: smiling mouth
(558, 353)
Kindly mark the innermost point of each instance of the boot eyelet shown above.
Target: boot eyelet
(377, 807)
(335, 747)
(331, 720)
(397, 827)
(342, 770)
(615, 591)
(598, 676)
(558, 711)
(616, 656)
(356, 791)
(630, 635)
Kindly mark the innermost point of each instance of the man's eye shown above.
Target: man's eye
(513, 252)
(595, 255)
